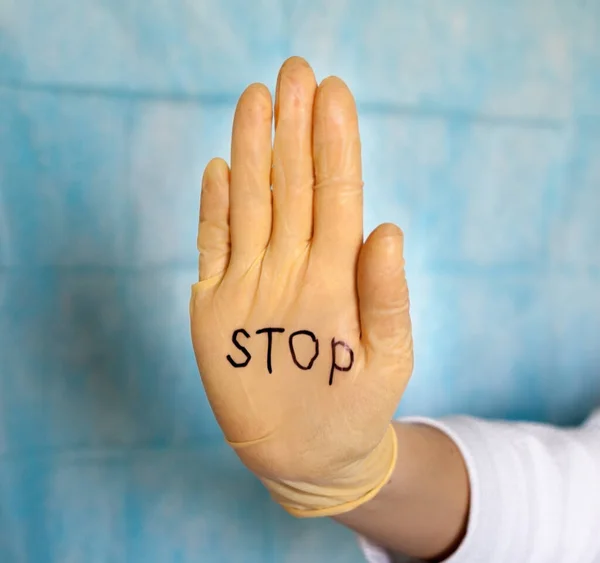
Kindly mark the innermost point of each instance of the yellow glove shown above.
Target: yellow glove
(301, 332)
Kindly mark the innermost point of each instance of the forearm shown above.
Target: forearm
(533, 492)
(423, 509)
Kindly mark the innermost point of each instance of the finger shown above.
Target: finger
(250, 187)
(213, 228)
(292, 155)
(338, 176)
(383, 299)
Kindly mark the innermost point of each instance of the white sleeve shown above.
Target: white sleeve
(535, 492)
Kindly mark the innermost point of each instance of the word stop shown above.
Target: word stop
(337, 347)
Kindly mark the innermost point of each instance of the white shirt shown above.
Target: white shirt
(535, 492)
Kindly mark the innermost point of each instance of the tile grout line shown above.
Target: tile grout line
(366, 107)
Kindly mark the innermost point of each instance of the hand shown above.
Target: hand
(301, 332)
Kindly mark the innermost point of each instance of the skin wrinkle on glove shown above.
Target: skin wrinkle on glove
(301, 330)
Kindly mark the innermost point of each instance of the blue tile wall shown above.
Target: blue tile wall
(177, 47)
(499, 58)
(63, 172)
(481, 134)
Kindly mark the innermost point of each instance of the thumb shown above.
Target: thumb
(383, 297)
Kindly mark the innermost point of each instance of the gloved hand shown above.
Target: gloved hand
(301, 332)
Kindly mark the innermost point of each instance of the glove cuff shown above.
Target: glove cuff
(359, 484)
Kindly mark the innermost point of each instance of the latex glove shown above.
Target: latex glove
(301, 332)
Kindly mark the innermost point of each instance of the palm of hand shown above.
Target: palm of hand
(301, 331)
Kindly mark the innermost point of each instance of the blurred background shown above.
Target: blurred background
(481, 137)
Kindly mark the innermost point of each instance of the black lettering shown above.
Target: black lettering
(334, 344)
(294, 357)
(234, 337)
(269, 332)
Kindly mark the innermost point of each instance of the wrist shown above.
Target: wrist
(422, 511)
